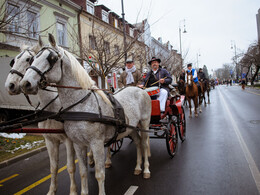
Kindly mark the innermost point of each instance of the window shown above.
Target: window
(92, 42)
(32, 24)
(90, 7)
(116, 23)
(61, 28)
(106, 47)
(116, 52)
(61, 33)
(13, 16)
(104, 16)
(131, 32)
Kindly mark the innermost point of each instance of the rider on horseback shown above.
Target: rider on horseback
(158, 77)
(194, 75)
(201, 75)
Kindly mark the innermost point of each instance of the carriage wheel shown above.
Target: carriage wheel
(115, 147)
(182, 125)
(171, 138)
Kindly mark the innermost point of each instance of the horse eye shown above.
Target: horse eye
(12, 63)
(27, 59)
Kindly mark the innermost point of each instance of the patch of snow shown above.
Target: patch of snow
(13, 135)
(26, 146)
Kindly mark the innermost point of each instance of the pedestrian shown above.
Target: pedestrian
(158, 77)
(243, 82)
(131, 76)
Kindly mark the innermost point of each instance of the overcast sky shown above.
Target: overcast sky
(210, 25)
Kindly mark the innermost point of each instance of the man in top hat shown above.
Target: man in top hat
(158, 77)
(131, 76)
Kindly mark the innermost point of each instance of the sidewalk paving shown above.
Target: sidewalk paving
(21, 157)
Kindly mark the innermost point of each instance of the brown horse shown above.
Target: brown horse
(192, 93)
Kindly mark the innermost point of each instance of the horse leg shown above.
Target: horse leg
(208, 97)
(189, 100)
(81, 152)
(204, 97)
(71, 165)
(53, 151)
(146, 148)
(99, 157)
(108, 161)
(195, 101)
(137, 141)
(200, 102)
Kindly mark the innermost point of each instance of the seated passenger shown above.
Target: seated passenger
(158, 77)
(131, 76)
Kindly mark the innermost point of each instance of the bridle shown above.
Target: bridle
(52, 59)
(13, 71)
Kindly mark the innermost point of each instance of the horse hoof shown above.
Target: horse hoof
(200, 111)
(137, 172)
(92, 165)
(196, 115)
(108, 165)
(147, 175)
(190, 116)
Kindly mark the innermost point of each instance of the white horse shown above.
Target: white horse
(19, 66)
(55, 65)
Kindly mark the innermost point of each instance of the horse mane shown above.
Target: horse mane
(35, 48)
(83, 77)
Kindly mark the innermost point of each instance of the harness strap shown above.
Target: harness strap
(13, 71)
(38, 71)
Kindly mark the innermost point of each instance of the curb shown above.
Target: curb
(21, 157)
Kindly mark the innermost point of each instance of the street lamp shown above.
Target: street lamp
(123, 17)
(198, 55)
(184, 31)
(233, 46)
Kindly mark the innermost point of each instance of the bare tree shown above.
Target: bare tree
(16, 18)
(251, 60)
(105, 48)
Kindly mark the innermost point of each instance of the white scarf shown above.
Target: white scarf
(130, 78)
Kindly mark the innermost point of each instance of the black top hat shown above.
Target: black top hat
(190, 64)
(154, 59)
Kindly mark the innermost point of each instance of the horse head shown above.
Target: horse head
(189, 78)
(45, 67)
(18, 67)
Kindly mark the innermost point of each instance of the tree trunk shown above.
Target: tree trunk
(103, 82)
(254, 76)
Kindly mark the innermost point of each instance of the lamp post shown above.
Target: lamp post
(233, 46)
(184, 31)
(123, 17)
(198, 55)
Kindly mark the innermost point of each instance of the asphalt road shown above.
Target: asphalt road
(220, 156)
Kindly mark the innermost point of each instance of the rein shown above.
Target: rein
(77, 88)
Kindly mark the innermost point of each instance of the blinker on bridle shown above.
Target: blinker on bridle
(13, 71)
(52, 59)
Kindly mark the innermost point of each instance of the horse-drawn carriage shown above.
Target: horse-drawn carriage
(167, 125)
(89, 117)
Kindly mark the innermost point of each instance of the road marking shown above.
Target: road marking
(131, 190)
(252, 165)
(8, 178)
(40, 181)
(252, 92)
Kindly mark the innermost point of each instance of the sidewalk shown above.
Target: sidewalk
(21, 157)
